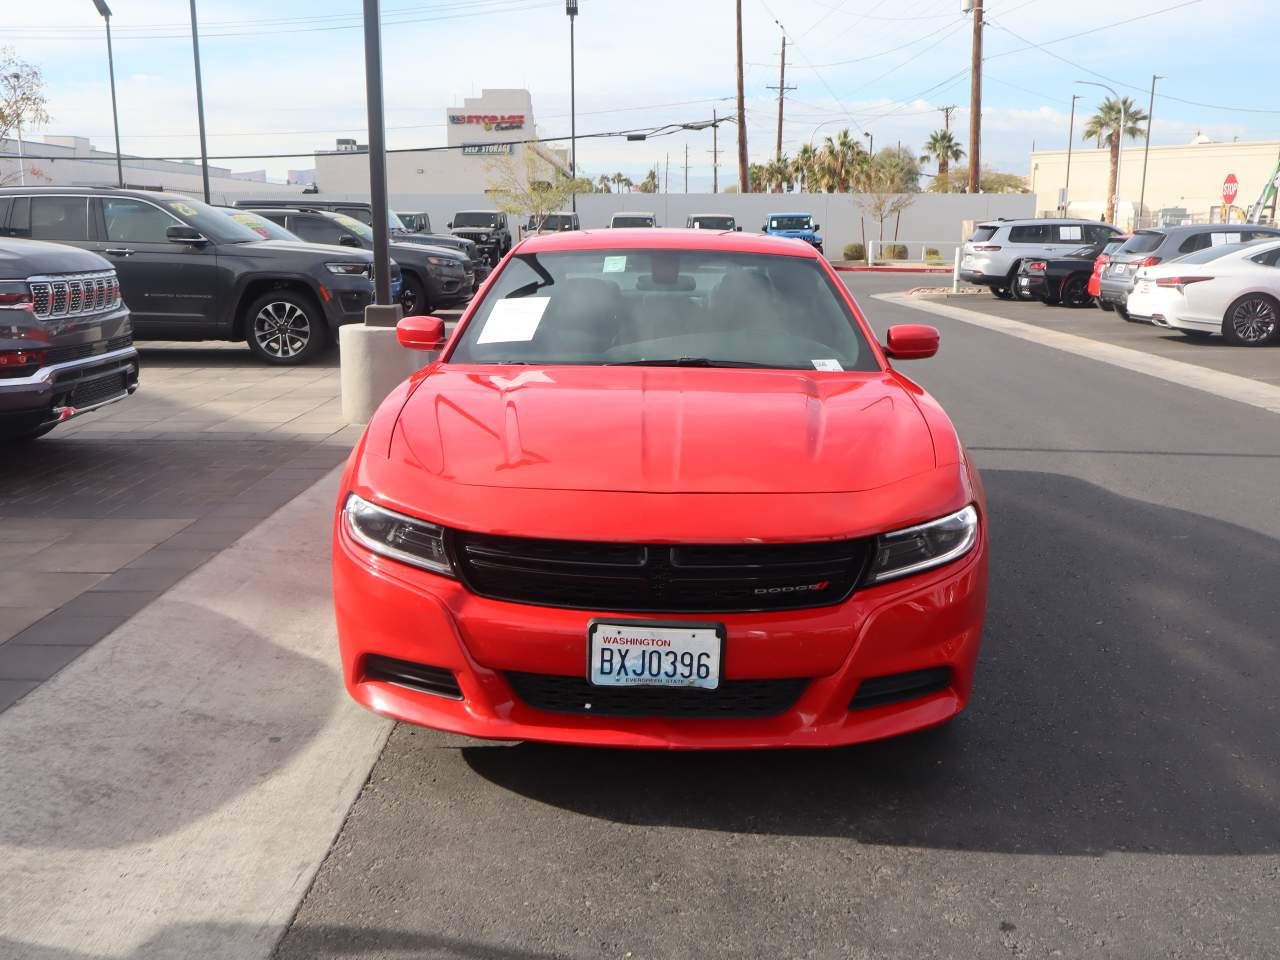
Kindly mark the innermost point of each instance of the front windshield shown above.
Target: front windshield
(266, 229)
(360, 229)
(552, 221)
(664, 308)
(212, 223)
(789, 223)
(712, 223)
(633, 221)
(487, 220)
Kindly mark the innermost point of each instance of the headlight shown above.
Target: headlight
(394, 535)
(445, 262)
(351, 269)
(904, 552)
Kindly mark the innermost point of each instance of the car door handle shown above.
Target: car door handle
(119, 251)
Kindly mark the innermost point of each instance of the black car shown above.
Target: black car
(65, 344)
(1062, 280)
(190, 272)
(434, 277)
(490, 230)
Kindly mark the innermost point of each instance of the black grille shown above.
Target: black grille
(733, 700)
(415, 676)
(83, 350)
(639, 578)
(897, 687)
(97, 390)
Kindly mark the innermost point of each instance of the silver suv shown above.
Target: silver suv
(1146, 248)
(992, 256)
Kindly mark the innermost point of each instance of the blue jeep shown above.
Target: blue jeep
(798, 225)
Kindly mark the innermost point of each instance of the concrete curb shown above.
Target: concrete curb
(172, 793)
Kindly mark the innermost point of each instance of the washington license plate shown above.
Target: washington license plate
(647, 653)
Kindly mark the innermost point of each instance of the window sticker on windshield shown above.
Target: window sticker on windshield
(615, 264)
(186, 209)
(1071, 233)
(830, 366)
(514, 320)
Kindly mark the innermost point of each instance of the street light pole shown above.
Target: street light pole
(377, 155)
(204, 149)
(871, 139)
(111, 70)
(1071, 137)
(1115, 197)
(571, 8)
(1151, 109)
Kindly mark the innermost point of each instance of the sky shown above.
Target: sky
(287, 76)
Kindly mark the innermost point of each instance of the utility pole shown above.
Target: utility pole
(204, 149)
(377, 154)
(1071, 136)
(744, 183)
(946, 117)
(975, 102)
(782, 89)
(1151, 108)
(715, 152)
(686, 169)
(666, 175)
(571, 8)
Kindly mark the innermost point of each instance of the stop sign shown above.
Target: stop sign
(1230, 187)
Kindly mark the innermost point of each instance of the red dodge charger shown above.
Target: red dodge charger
(662, 488)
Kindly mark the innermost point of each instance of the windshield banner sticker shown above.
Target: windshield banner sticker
(615, 264)
(514, 320)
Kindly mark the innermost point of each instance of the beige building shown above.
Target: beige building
(1184, 183)
(481, 133)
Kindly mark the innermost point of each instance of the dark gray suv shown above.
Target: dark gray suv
(65, 343)
(190, 272)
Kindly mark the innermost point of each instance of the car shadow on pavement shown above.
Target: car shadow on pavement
(327, 940)
(1125, 701)
(231, 356)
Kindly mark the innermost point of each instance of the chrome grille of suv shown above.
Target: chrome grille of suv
(74, 296)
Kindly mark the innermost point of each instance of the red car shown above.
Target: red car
(662, 489)
(1095, 280)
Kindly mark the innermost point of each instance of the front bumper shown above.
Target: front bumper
(448, 289)
(61, 391)
(344, 299)
(922, 622)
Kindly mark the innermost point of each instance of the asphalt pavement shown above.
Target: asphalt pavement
(1111, 792)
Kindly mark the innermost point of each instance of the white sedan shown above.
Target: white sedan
(1233, 289)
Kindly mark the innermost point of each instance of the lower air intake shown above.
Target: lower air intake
(897, 687)
(733, 700)
(413, 676)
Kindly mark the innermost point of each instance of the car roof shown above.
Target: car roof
(1024, 221)
(1190, 229)
(726, 215)
(478, 211)
(97, 188)
(666, 238)
(635, 213)
(788, 214)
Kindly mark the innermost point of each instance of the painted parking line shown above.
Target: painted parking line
(173, 792)
(1229, 386)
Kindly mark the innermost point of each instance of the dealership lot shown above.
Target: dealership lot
(1111, 792)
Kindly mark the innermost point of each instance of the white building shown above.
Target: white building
(480, 134)
(73, 161)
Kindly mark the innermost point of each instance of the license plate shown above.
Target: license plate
(646, 653)
(1120, 269)
(1024, 282)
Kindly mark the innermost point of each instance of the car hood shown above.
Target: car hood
(803, 234)
(409, 250)
(332, 251)
(20, 259)
(662, 429)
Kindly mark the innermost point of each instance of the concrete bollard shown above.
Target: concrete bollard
(373, 363)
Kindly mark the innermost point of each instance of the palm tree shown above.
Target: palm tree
(943, 148)
(602, 182)
(838, 162)
(758, 178)
(650, 182)
(805, 165)
(1105, 127)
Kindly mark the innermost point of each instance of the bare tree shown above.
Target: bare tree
(530, 186)
(886, 186)
(22, 99)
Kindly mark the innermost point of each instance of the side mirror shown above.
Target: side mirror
(181, 233)
(420, 333)
(817, 227)
(738, 229)
(912, 341)
(347, 240)
(449, 224)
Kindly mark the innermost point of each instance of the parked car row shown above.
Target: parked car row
(1202, 280)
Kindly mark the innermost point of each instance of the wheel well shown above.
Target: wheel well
(256, 288)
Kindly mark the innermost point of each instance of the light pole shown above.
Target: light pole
(1115, 197)
(111, 70)
(377, 155)
(204, 149)
(1071, 137)
(571, 8)
(1151, 109)
(871, 141)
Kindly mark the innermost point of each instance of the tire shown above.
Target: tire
(1104, 305)
(1252, 321)
(1075, 291)
(1002, 293)
(414, 298)
(285, 328)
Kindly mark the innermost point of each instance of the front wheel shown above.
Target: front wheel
(1002, 293)
(285, 328)
(414, 300)
(1252, 321)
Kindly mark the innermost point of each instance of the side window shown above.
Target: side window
(1096, 233)
(20, 219)
(1197, 241)
(59, 218)
(1267, 259)
(5, 204)
(317, 230)
(132, 221)
(1038, 233)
